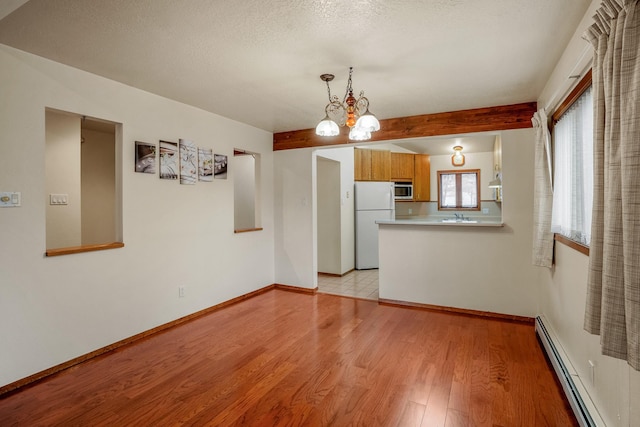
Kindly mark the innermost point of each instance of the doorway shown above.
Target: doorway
(335, 221)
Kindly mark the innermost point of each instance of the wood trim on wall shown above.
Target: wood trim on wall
(297, 289)
(84, 248)
(16, 385)
(463, 311)
(39, 376)
(573, 96)
(505, 117)
(571, 243)
(247, 230)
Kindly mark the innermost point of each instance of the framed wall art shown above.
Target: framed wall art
(145, 157)
(168, 160)
(205, 164)
(220, 166)
(188, 162)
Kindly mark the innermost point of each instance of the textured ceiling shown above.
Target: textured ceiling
(259, 61)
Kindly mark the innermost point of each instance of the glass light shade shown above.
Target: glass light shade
(327, 127)
(496, 183)
(458, 158)
(359, 134)
(369, 122)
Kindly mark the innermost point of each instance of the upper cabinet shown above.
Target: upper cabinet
(383, 165)
(372, 165)
(402, 167)
(380, 165)
(362, 164)
(422, 178)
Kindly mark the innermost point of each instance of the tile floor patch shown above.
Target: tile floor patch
(357, 283)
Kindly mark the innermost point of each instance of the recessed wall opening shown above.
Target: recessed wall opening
(83, 195)
(246, 191)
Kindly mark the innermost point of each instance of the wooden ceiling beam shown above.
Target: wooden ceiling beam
(488, 119)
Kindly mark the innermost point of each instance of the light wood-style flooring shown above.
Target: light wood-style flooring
(290, 359)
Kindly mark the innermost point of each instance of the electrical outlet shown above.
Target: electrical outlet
(181, 292)
(410, 211)
(485, 211)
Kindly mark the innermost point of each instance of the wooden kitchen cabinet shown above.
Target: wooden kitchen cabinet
(362, 164)
(422, 178)
(380, 165)
(402, 167)
(372, 165)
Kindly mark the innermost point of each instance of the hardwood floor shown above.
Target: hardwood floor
(290, 359)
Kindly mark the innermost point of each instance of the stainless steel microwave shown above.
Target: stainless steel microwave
(403, 191)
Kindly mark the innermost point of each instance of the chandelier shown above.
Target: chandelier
(351, 112)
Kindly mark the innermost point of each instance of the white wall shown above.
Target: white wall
(296, 214)
(612, 385)
(482, 161)
(98, 187)
(328, 214)
(485, 269)
(55, 309)
(62, 166)
(295, 218)
(345, 156)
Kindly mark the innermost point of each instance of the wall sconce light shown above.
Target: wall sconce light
(458, 158)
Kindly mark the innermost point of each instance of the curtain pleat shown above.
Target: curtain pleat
(613, 289)
(542, 193)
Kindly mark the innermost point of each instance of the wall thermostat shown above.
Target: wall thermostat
(9, 199)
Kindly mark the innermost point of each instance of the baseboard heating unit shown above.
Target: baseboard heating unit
(583, 408)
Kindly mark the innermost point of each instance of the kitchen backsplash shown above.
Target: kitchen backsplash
(408, 210)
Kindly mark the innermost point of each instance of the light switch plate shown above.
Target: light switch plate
(58, 199)
(10, 199)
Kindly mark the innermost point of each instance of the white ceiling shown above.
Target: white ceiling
(259, 61)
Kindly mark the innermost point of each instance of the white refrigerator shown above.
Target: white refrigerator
(374, 201)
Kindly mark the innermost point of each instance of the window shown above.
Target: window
(459, 190)
(573, 160)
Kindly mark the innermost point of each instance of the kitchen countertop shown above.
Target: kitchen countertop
(440, 222)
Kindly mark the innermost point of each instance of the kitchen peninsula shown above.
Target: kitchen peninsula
(484, 266)
(455, 265)
(438, 222)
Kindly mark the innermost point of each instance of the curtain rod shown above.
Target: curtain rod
(575, 74)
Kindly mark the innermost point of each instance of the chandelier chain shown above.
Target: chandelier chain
(349, 87)
(328, 89)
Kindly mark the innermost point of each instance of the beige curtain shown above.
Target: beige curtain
(542, 193)
(613, 293)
